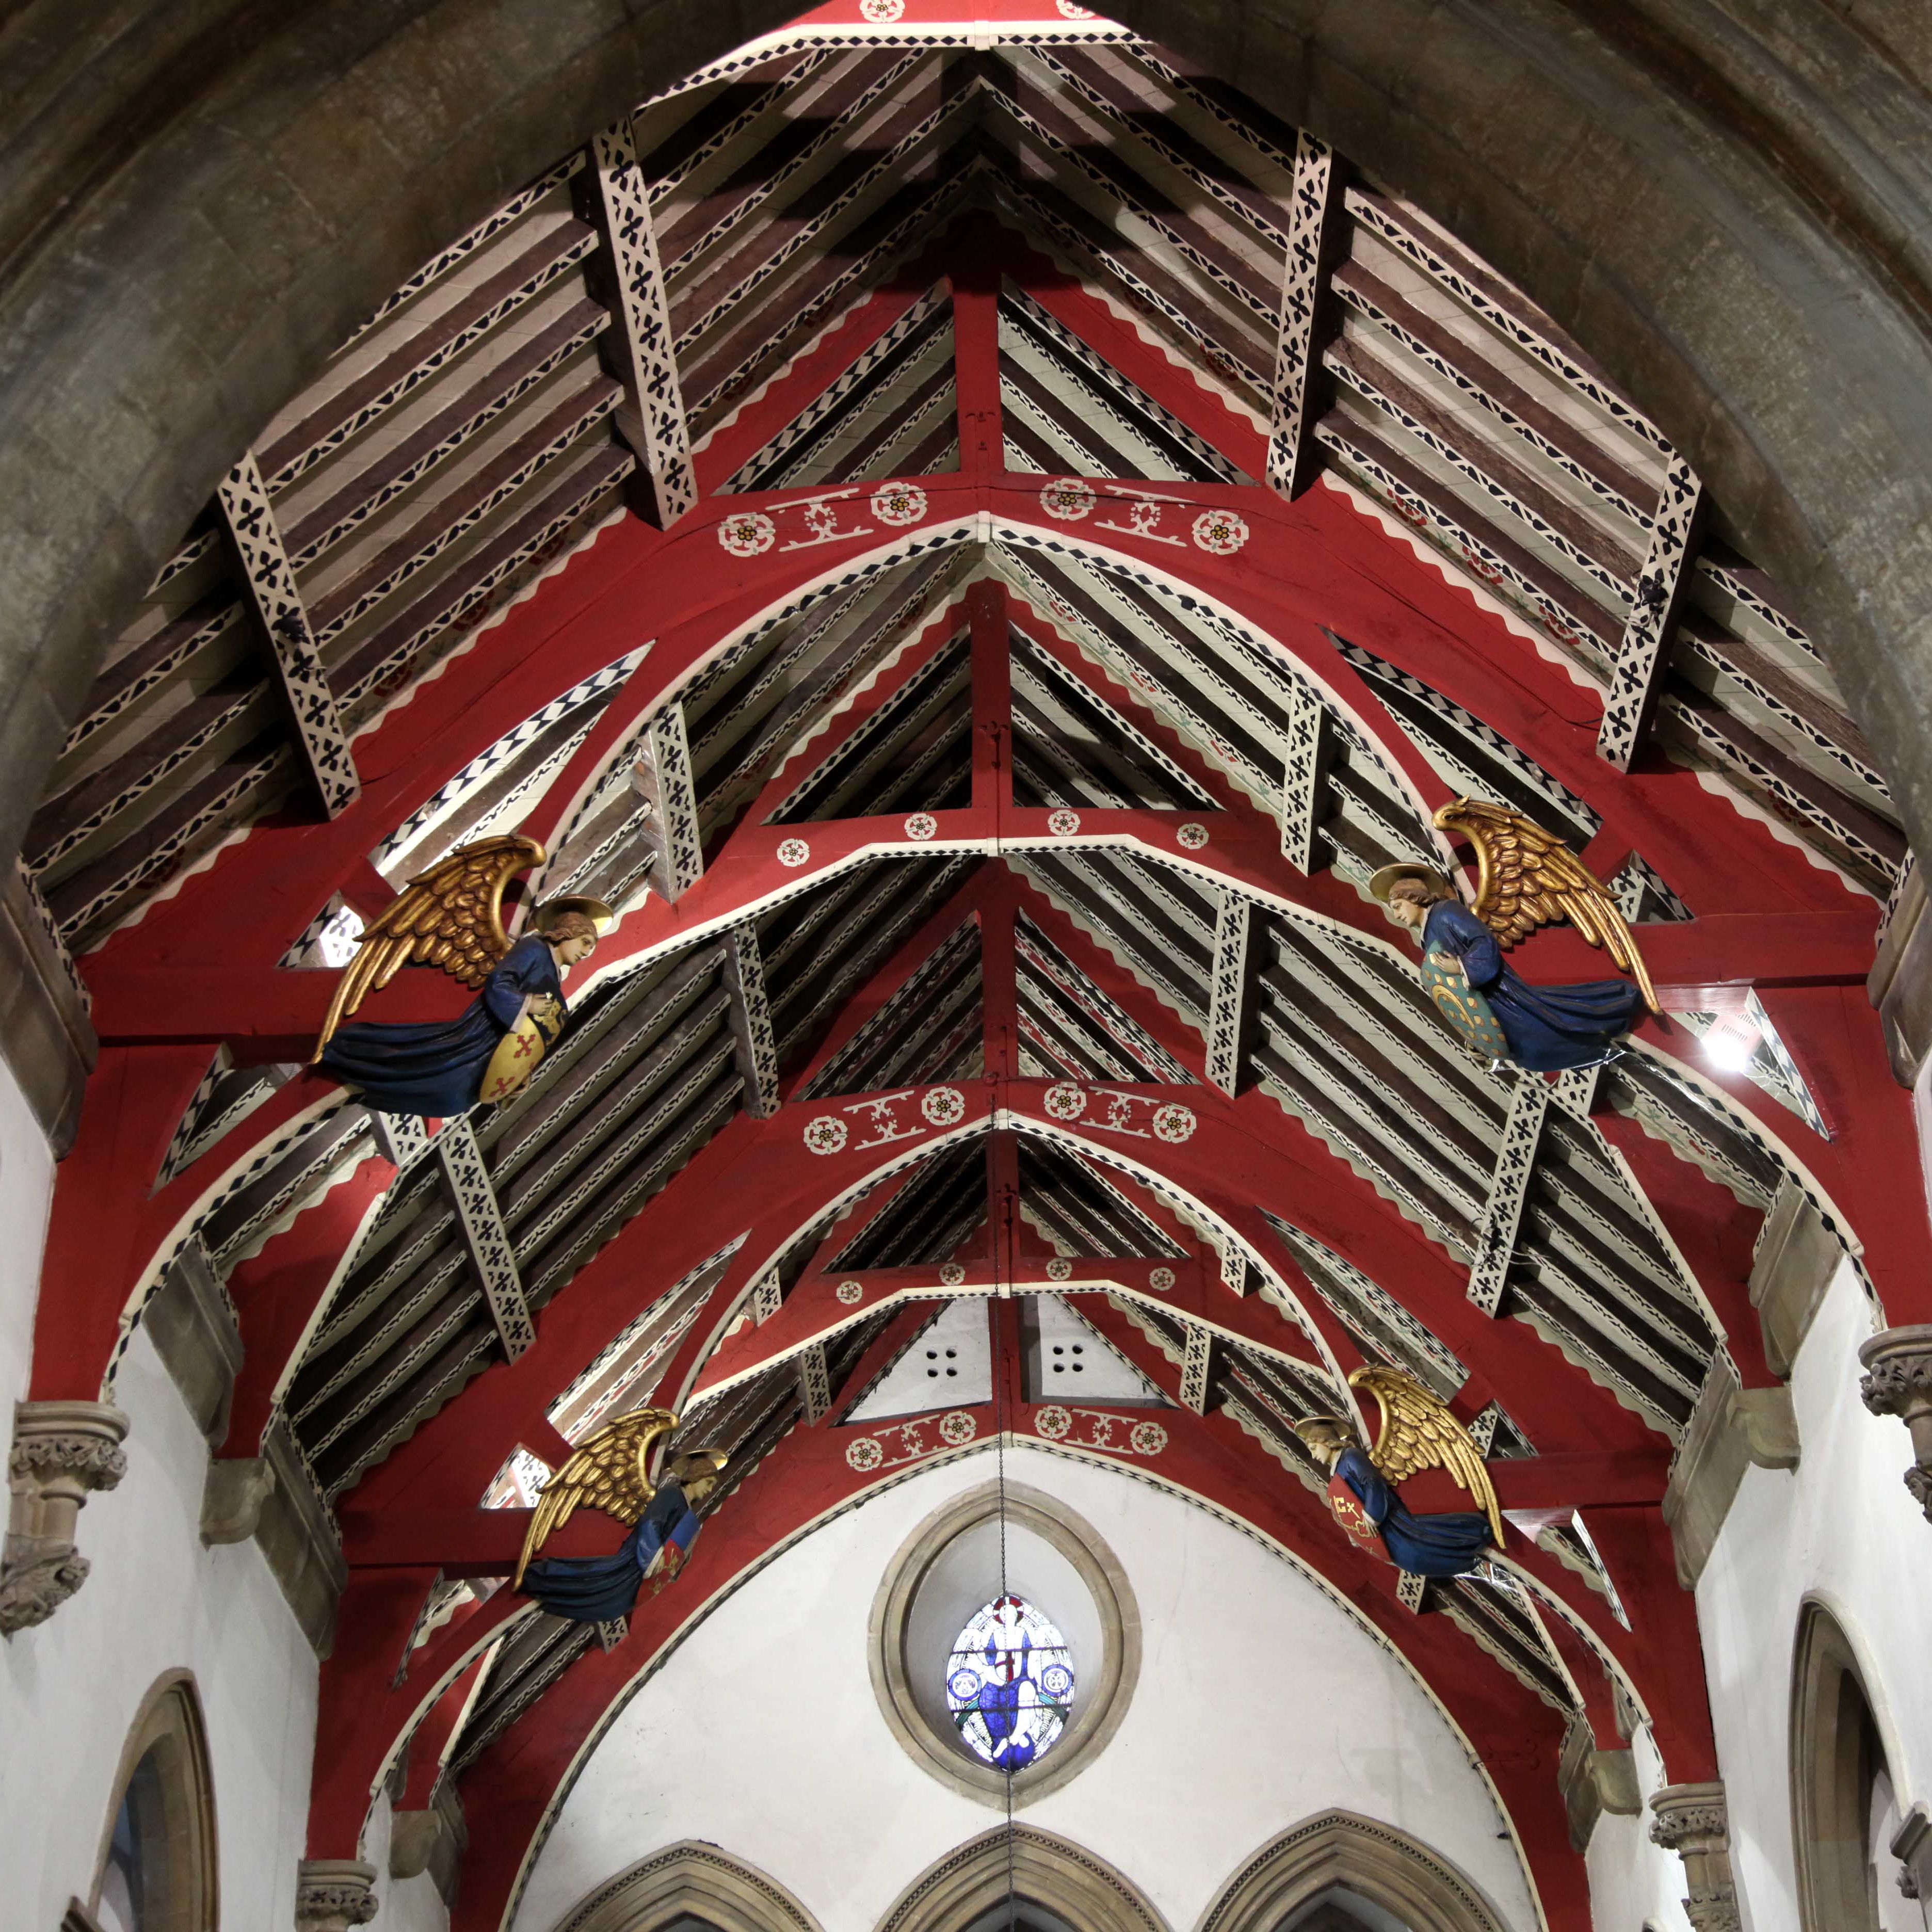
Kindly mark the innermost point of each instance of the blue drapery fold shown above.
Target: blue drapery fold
(600, 1589)
(1447, 1545)
(1549, 1028)
(436, 1066)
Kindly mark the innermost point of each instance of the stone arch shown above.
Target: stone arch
(1085, 1892)
(1363, 1857)
(689, 1881)
(162, 1806)
(203, 248)
(1839, 1755)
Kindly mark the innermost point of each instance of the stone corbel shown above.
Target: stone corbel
(1593, 1782)
(62, 1452)
(332, 1894)
(432, 1840)
(1911, 1846)
(232, 1497)
(1897, 1362)
(1692, 1821)
(1797, 1255)
(1731, 1429)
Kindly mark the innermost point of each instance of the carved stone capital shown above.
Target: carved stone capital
(1897, 1381)
(332, 1894)
(62, 1452)
(1693, 1821)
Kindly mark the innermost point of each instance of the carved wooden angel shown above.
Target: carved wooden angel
(1526, 878)
(1418, 1432)
(611, 1471)
(451, 915)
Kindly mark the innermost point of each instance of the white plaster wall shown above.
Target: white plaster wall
(1260, 1702)
(1841, 1528)
(26, 1187)
(70, 1689)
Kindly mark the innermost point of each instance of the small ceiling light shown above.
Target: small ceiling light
(1733, 1041)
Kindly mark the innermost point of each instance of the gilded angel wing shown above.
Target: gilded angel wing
(451, 916)
(1418, 1432)
(609, 1472)
(1527, 877)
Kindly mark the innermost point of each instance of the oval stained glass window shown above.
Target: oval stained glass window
(1009, 1684)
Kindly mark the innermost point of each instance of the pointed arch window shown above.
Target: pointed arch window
(1844, 1810)
(156, 1871)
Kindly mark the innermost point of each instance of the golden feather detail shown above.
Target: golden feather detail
(1527, 877)
(451, 916)
(609, 1470)
(1418, 1432)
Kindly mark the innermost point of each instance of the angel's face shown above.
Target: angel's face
(579, 946)
(1406, 911)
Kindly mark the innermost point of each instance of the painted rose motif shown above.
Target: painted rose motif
(921, 825)
(849, 1292)
(825, 1134)
(865, 1454)
(1067, 500)
(1220, 533)
(1059, 1269)
(747, 533)
(956, 1427)
(883, 13)
(1149, 1439)
(1065, 1102)
(1053, 1422)
(1173, 1123)
(793, 852)
(951, 1274)
(943, 1106)
(1161, 1280)
(899, 504)
(1063, 823)
(1193, 836)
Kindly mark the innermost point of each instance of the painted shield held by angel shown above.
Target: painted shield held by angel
(1526, 878)
(1418, 1432)
(451, 916)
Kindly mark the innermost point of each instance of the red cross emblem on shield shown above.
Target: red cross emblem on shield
(1349, 1513)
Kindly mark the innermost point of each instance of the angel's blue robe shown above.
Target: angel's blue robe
(599, 1589)
(1548, 1028)
(1426, 1546)
(436, 1066)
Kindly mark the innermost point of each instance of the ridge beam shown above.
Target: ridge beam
(281, 618)
(639, 348)
(1643, 657)
(480, 1219)
(1515, 1168)
(756, 1044)
(1232, 1008)
(1315, 229)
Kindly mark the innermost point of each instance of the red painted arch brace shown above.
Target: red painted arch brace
(200, 968)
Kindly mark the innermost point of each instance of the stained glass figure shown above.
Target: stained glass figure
(1009, 1684)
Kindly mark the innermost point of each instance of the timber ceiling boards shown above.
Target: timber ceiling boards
(472, 434)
